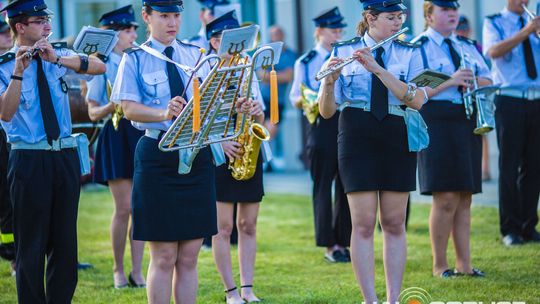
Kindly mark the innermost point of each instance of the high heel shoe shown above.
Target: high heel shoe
(134, 284)
(246, 300)
(231, 300)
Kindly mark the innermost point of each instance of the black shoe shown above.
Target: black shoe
(534, 237)
(348, 254)
(84, 266)
(512, 239)
(448, 274)
(134, 284)
(337, 257)
(476, 273)
(7, 251)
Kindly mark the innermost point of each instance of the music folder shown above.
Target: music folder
(430, 78)
(95, 40)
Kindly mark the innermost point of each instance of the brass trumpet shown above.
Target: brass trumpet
(309, 103)
(346, 61)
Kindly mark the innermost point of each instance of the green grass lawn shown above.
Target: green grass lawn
(290, 269)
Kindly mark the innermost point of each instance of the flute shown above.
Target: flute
(531, 15)
(322, 74)
(31, 53)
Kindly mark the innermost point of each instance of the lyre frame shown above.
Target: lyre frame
(200, 139)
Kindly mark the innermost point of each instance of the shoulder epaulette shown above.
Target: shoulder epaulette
(347, 42)
(467, 40)
(309, 56)
(420, 40)
(59, 45)
(187, 44)
(103, 58)
(132, 49)
(7, 57)
(494, 16)
(406, 44)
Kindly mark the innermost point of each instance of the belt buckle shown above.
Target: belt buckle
(56, 145)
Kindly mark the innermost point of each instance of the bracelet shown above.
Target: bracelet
(411, 93)
(84, 63)
(58, 63)
(15, 77)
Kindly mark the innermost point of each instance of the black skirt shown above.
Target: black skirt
(115, 152)
(167, 206)
(230, 190)
(453, 160)
(374, 155)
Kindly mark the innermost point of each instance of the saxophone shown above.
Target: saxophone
(250, 140)
(309, 103)
(118, 112)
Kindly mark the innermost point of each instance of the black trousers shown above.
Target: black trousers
(518, 136)
(332, 221)
(6, 213)
(45, 188)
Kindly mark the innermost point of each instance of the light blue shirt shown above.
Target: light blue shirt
(27, 124)
(440, 60)
(143, 78)
(354, 83)
(97, 87)
(510, 70)
(304, 73)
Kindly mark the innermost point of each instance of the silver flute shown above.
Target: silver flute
(32, 52)
(531, 15)
(346, 61)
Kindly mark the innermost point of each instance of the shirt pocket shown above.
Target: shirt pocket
(29, 96)
(156, 84)
(399, 71)
(355, 84)
(442, 65)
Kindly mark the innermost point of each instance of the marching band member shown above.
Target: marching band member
(173, 212)
(377, 163)
(332, 223)
(450, 168)
(7, 240)
(116, 148)
(245, 196)
(207, 15)
(44, 167)
(513, 45)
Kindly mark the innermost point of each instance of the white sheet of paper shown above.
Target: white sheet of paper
(261, 59)
(91, 40)
(238, 40)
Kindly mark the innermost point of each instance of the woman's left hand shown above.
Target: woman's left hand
(244, 105)
(365, 58)
(257, 109)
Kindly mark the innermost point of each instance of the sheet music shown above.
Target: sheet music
(262, 60)
(91, 40)
(238, 40)
(430, 78)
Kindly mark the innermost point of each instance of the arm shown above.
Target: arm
(10, 100)
(95, 66)
(97, 112)
(503, 47)
(298, 77)
(139, 112)
(327, 99)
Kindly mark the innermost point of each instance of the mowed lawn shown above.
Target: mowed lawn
(290, 269)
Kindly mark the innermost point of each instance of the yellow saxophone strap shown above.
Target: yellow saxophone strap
(6, 238)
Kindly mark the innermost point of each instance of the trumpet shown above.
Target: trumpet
(346, 61)
(483, 122)
(32, 52)
(531, 15)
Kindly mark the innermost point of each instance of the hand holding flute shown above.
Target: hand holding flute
(534, 25)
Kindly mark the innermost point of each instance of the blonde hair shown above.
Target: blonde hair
(363, 25)
(428, 10)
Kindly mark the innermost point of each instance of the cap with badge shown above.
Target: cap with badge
(445, 3)
(27, 8)
(211, 4)
(225, 22)
(165, 6)
(119, 17)
(384, 6)
(331, 18)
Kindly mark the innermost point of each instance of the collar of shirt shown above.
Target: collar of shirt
(321, 50)
(158, 46)
(513, 17)
(438, 38)
(371, 42)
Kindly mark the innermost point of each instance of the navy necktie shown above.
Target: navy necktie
(379, 92)
(176, 85)
(529, 57)
(456, 59)
(50, 122)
